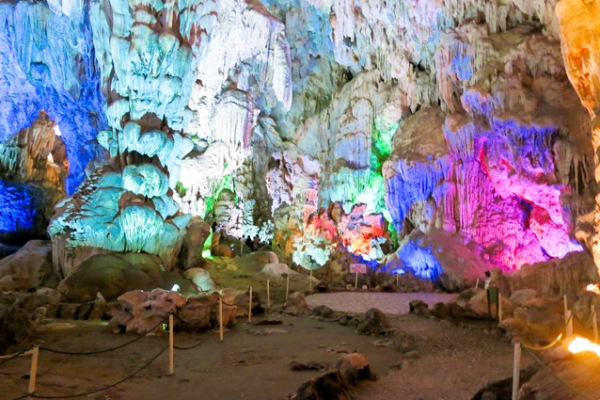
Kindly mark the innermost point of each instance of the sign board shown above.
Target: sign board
(358, 269)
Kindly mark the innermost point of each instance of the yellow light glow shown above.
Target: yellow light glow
(592, 288)
(580, 344)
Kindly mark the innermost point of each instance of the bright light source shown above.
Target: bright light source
(580, 344)
(175, 288)
(592, 288)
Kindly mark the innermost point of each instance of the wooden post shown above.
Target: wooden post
(310, 281)
(171, 347)
(595, 323)
(477, 283)
(250, 305)
(397, 276)
(516, 371)
(566, 308)
(33, 371)
(356, 280)
(499, 307)
(287, 287)
(268, 294)
(220, 317)
(569, 324)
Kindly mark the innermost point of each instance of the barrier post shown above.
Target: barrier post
(287, 287)
(220, 317)
(569, 324)
(477, 284)
(268, 294)
(310, 281)
(397, 276)
(355, 280)
(566, 308)
(595, 322)
(33, 371)
(250, 305)
(499, 307)
(516, 371)
(171, 347)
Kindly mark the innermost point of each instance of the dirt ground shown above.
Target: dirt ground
(449, 361)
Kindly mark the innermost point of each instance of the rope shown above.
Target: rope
(37, 396)
(14, 355)
(190, 347)
(22, 397)
(558, 378)
(553, 343)
(86, 353)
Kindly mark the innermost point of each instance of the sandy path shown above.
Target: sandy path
(360, 302)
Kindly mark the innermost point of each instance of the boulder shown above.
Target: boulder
(374, 322)
(112, 275)
(16, 329)
(193, 244)
(201, 278)
(143, 312)
(419, 307)
(277, 271)
(523, 296)
(336, 384)
(296, 304)
(28, 268)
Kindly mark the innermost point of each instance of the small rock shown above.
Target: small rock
(396, 365)
(311, 365)
(354, 367)
(296, 304)
(374, 322)
(419, 307)
(322, 311)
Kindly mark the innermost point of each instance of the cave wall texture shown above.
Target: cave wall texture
(419, 135)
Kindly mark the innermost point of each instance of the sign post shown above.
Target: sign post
(357, 269)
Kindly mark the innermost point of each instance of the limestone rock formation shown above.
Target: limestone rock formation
(579, 28)
(28, 268)
(143, 312)
(33, 169)
(437, 138)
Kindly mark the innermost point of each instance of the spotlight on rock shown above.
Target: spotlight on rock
(580, 344)
(593, 288)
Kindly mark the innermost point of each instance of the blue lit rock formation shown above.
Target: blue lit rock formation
(48, 63)
(33, 168)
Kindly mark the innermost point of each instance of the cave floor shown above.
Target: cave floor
(448, 360)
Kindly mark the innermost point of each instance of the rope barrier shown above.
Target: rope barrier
(553, 343)
(37, 396)
(14, 355)
(558, 378)
(190, 347)
(86, 353)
